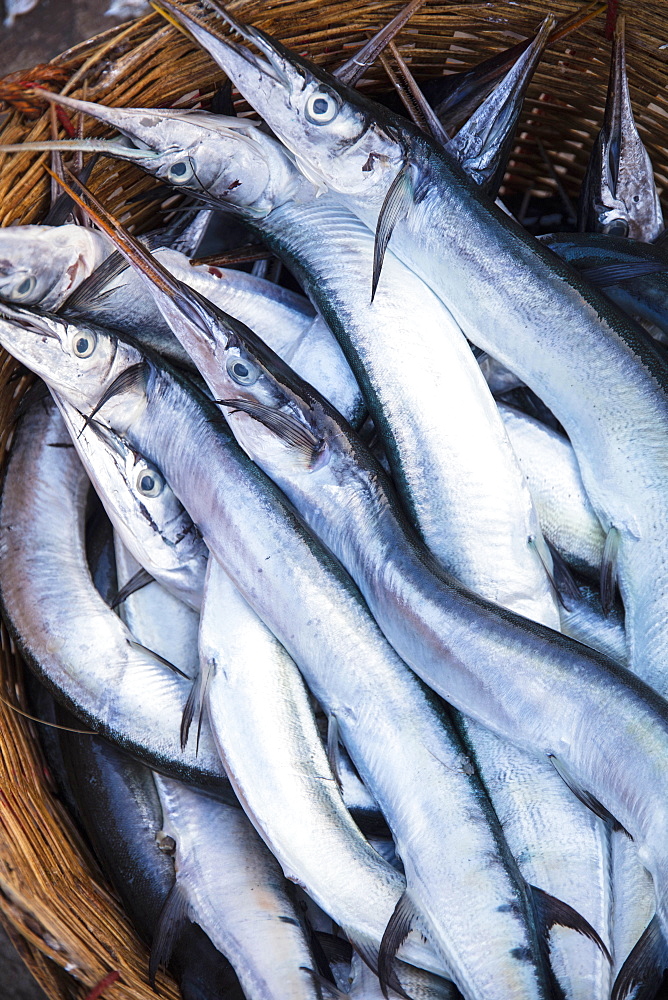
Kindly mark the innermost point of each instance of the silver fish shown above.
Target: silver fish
(224, 493)
(477, 259)
(71, 638)
(143, 510)
(228, 883)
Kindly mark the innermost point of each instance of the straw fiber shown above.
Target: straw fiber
(53, 900)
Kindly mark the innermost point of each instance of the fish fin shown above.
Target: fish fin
(324, 985)
(613, 274)
(564, 580)
(354, 68)
(159, 658)
(170, 924)
(550, 572)
(642, 973)
(609, 569)
(141, 578)
(396, 932)
(93, 291)
(195, 704)
(585, 797)
(551, 911)
(132, 376)
(333, 752)
(288, 428)
(397, 202)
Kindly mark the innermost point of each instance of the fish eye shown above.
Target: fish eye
(180, 172)
(83, 344)
(321, 108)
(149, 482)
(242, 371)
(24, 288)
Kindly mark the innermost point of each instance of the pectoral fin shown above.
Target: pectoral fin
(551, 911)
(615, 274)
(396, 206)
(609, 569)
(585, 797)
(292, 431)
(642, 973)
(133, 376)
(396, 932)
(173, 916)
(195, 704)
(141, 578)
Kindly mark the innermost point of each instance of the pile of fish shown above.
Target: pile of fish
(342, 608)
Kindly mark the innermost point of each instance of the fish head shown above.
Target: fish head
(218, 159)
(619, 192)
(77, 360)
(339, 140)
(41, 265)
(152, 509)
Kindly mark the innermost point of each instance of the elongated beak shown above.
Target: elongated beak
(618, 117)
(134, 123)
(233, 58)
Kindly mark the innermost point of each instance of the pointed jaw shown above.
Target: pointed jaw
(33, 338)
(265, 80)
(138, 128)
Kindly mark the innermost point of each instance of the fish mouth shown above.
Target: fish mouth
(31, 322)
(271, 66)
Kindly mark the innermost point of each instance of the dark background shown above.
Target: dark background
(52, 27)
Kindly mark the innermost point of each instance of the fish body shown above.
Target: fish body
(70, 637)
(118, 805)
(145, 513)
(331, 636)
(229, 883)
(264, 728)
(584, 358)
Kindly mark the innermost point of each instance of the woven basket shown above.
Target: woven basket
(54, 902)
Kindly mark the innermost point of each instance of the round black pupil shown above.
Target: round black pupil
(179, 169)
(240, 370)
(147, 483)
(320, 105)
(24, 286)
(82, 345)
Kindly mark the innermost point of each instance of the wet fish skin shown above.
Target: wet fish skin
(118, 804)
(553, 475)
(142, 508)
(510, 296)
(230, 884)
(328, 650)
(60, 622)
(276, 762)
